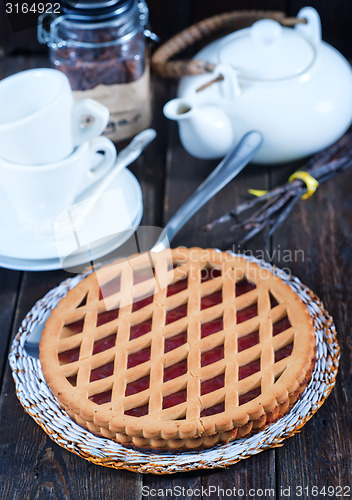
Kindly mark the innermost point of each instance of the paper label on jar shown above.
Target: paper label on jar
(129, 105)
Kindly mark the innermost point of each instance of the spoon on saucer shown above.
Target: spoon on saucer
(125, 157)
(227, 169)
(86, 201)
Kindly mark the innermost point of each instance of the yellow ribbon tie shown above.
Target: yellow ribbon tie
(257, 192)
(311, 183)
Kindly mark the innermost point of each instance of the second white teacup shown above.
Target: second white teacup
(40, 193)
(39, 121)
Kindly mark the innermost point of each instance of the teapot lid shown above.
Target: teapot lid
(267, 51)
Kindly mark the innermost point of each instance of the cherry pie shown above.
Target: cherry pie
(177, 350)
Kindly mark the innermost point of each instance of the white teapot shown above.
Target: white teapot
(285, 82)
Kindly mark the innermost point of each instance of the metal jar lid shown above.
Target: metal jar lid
(93, 10)
(131, 14)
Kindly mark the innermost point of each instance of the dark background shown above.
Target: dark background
(18, 34)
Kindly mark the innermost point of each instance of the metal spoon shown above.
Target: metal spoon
(125, 157)
(227, 169)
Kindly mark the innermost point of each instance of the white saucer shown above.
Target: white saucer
(54, 264)
(22, 249)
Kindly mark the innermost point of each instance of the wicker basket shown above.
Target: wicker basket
(38, 401)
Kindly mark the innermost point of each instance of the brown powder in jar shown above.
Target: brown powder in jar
(88, 67)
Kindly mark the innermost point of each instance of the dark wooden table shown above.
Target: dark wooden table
(33, 467)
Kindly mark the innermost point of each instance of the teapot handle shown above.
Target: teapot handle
(312, 27)
(161, 63)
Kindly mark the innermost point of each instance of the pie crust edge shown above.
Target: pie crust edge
(205, 431)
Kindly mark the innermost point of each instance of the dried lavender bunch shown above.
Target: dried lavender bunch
(271, 209)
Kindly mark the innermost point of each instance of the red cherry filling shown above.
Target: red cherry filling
(212, 384)
(211, 300)
(248, 370)
(140, 329)
(84, 302)
(177, 287)
(283, 353)
(176, 314)
(107, 316)
(248, 341)
(273, 301)
(104, 344)
(102, 372)
(212, 356)
(247, 313)
(140, 411)
(69, 356)
(175, 370)
(281, 325)
(244, 286)
(137, 386)
(104, 317)
(101, 398)
(139, 357)
(207, 412)
(174, 399)
(212, 327)
(72, 380)
(142, 303)
(74, 328)
(248, 396)
(176, 341)
(209, 273)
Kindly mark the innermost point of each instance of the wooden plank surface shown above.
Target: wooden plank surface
(47, 471)
(322, 228)
(9, 285)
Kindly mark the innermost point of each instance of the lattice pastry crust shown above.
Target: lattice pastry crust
(180, 349)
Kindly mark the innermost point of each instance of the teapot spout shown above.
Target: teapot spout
(177, 109)
(205, 129)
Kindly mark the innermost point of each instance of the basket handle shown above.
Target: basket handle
(161, 63)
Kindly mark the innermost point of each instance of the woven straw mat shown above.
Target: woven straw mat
(38, 401)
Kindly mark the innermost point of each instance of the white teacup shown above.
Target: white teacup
(40, 192)
(39, 121)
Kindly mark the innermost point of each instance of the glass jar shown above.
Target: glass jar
(101, 47)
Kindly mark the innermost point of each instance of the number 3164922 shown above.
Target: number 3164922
(34, 8)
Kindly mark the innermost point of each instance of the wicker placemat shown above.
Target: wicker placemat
(38, 401)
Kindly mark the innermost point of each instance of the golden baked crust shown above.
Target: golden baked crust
(185, 425)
